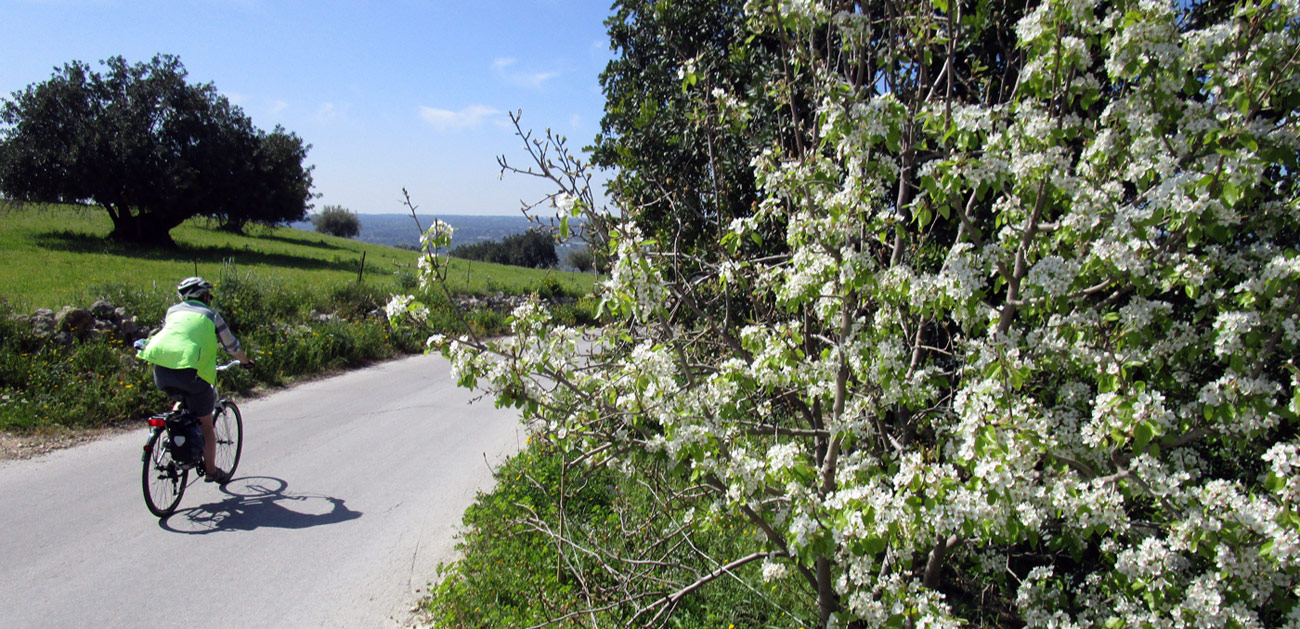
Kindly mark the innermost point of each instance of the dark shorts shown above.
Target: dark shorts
(186, 385)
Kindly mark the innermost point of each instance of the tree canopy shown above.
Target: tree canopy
(686, 173)
(337, 220)
(149, 147)
(1007, 337)
(533, 249)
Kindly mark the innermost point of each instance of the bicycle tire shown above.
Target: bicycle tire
(228, 427)
(162, 479)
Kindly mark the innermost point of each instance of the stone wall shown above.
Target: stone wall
(71, 323)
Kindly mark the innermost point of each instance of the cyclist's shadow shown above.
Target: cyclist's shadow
(253, 502)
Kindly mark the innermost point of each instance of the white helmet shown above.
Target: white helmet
(193, 288)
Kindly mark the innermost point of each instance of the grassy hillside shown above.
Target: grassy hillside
(292, 297)
(51, 256)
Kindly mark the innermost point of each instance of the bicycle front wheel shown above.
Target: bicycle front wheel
(163, 479)
(228, 426)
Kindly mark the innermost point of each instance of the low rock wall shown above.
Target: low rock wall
(72, 323)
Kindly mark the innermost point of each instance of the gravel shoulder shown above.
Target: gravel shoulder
(20, 447)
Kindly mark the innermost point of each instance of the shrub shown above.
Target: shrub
(533, 249)
(576, 313)
(407, 281)
(355, 299)
(986, 352)
(337, 220)
(511, 576)
(581, 259)
(550, 288)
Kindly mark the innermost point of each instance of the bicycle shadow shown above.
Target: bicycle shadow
(254, 502)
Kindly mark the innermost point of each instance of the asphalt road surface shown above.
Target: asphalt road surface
(348, 496)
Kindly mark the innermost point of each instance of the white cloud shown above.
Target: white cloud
(329, 112)
(446, 120)
(278, 106)
(600, 50)
(503, 67)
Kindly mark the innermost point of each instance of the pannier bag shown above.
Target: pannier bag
(186, 443)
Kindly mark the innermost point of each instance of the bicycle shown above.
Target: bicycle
(168, 461)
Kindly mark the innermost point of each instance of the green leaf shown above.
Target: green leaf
(986, 440)
(1231, 193)
(993, 370)
(1142, 434)
(1274, 483)
(1018, 377)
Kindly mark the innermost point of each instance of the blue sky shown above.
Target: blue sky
(389, 93)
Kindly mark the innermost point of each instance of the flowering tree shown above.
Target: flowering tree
(997, 344)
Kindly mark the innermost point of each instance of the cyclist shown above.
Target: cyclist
(184, 356)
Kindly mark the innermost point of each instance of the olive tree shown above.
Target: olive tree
(997, 345)
(149, 147)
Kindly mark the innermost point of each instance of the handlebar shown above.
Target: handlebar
(233, 363)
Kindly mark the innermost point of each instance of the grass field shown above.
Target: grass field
(292, 297)
(52, 256)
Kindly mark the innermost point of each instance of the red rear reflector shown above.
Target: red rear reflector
(157, 421)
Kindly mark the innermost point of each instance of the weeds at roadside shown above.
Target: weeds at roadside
(289, 332)
(510, 574)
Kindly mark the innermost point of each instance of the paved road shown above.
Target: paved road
(347, 497)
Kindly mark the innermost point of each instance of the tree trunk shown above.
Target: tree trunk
(142, 229)
(234, 225)
(828, 602)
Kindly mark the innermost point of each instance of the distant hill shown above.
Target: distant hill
(399, 230)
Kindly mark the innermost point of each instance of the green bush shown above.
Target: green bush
(487, 322)
(337, 220)
(510, 574)
(44, 384)
(356, 299)
(147, 303)
(406, 279)
(550, 288)
(577, 313)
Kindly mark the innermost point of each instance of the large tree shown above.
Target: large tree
(1022, 352)
(150, 148)
(686, 174)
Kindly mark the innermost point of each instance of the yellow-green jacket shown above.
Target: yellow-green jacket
(189, 339)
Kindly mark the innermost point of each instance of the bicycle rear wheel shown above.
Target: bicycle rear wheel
(163, 479)
(228, 426)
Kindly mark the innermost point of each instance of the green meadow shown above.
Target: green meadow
(52, 256)
(301, 303)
